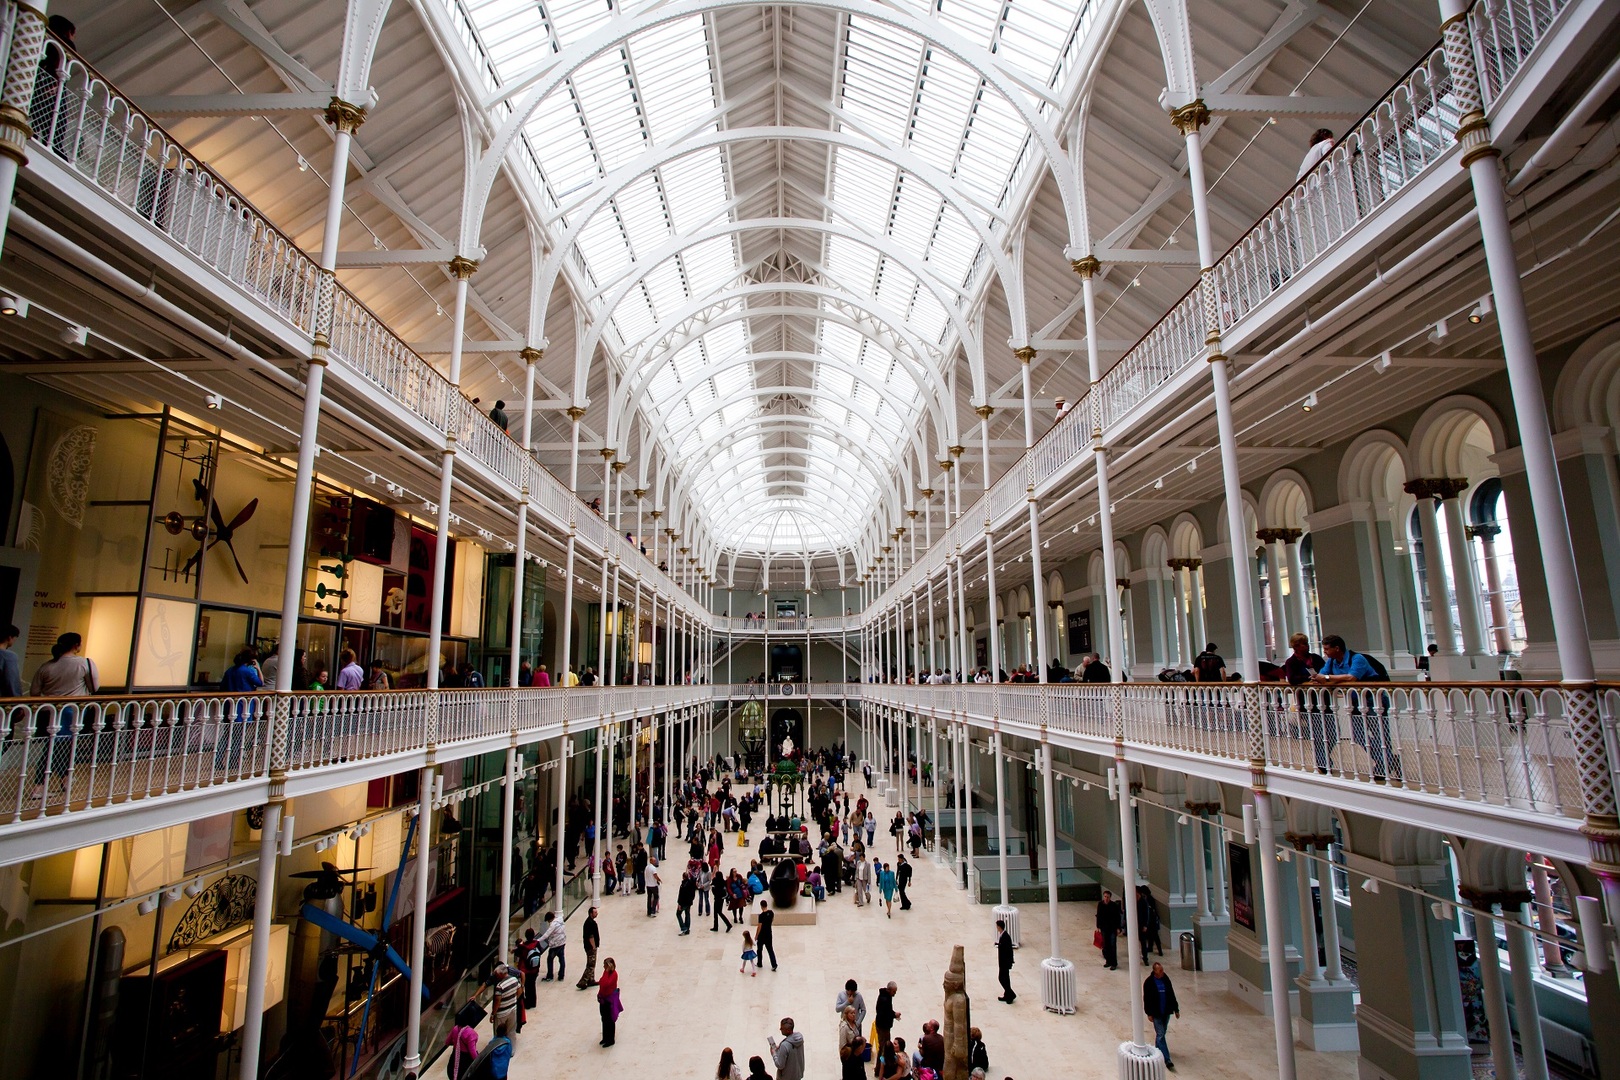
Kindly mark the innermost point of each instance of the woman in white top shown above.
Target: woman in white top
(728, 1069)
(65, 675)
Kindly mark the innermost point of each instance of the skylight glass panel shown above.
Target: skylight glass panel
(573, 19)
(666, 288)
(992, 147)
(672, 69)
(695, 185)
(602, 242)
(975, 20)
(949, 89)
(633, 318)
(1035, 34)
(862, 188)
(711, 264)
(556, 125)
(852, 264)
(880, 70)
(608, 101)
(641, 208)
(512, 32)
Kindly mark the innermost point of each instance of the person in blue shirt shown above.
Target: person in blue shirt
(500, 1053)
(1159, 1002)
(1342, 666)
(1369, 710)
(242, 677)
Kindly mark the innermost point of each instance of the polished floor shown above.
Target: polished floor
(684, 1000)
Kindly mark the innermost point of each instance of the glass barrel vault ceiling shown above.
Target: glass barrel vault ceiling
(778, 473)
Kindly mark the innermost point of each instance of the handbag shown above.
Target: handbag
(1096, 939)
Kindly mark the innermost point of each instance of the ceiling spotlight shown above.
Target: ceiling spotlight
(214, 401)
(1310, 401)
(303, 166)
(1442, 910)
(1438, 332)
(1481, 309)
(1158, 485)
(1182, 820)
(1135, 281)
(149, 905)
(1381, 364)
(74, 335)
(12, 305)
(1076, 529)
(1192, 466)
(1091, 522)
(194, 888)
(1370, 886)
(1285, 855)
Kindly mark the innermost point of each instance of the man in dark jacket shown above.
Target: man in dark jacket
(902, 878)
(1110, 917)
(683, 902)
(1159, 1002)
(1004, 961)
(591, 938)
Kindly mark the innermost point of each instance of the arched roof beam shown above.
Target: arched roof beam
(547, 77)
(636, 374)
(945, 430)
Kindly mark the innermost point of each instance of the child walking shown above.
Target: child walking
(749, 957)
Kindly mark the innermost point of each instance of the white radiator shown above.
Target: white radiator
(1059, 986)
(1009, 915)
(1140, 1062)
(1567, 1044)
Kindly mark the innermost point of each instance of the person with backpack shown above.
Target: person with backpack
(528, 954)
(1369, 710)
(1209, 665)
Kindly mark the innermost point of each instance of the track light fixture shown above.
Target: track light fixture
(74, 335)
(1370, 886)
(1310, 401)
(194, 888)
(1481, 310)
(1192, 466)
(149, 905)
(13, 305)
(1439, 331)
(1381, 364)
(1182, 820)
(214, 401)
(1442, 910)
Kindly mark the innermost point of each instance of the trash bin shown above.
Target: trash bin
(1189, 952)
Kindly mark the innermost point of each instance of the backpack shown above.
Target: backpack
(1373, 662)
(1208, 666)
(531, 956)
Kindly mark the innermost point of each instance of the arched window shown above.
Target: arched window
(1491, 547)
(1307, 566)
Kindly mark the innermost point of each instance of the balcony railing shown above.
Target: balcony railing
(58, 757)
(788, 624)
(1501, 744)
(81, 119)
(1399, 140)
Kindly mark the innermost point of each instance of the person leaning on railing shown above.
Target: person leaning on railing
(1369, 710)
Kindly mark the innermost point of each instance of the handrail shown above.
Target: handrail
(81, 119)
(63, 756)
(1400, 138)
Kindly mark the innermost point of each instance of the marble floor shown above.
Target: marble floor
(684, 1000)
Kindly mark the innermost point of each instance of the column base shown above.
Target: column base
(1211, 931)
(1140, 1062)
(1009, 914)
(1327, 1015)
(1060, 987)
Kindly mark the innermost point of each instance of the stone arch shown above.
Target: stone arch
(1285, 500)
(1186, 537)
(1095, 570)
(1373, 469)
(1155, 548)
(1251, 521)
(550, 639)
(1054, 586)
(1588, 390)
(1456, 436)
(1122, 559)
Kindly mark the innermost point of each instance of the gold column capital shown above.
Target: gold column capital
(1024, 353)
(1190, 117)
(1086, 267)
(985, 411)
(575, 412)
(462, 267)
(531, 355)
(345, 117)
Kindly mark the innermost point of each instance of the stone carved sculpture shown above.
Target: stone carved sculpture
(785, 883)
(957, 1018)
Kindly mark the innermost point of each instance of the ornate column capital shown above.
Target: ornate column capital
(1267, 536)
(1190, 117)
(1449, 487)
(531, 355)
(1088, 266)
(1421, 487)
(984, 411)
(1290, 536)
(575, 412)
(1484, 531)
(620, 466)
(946, 464)
(607, 453)
(345, 117)
(462, 267)
(957, 451)
(926, 493)
(1024, 353)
